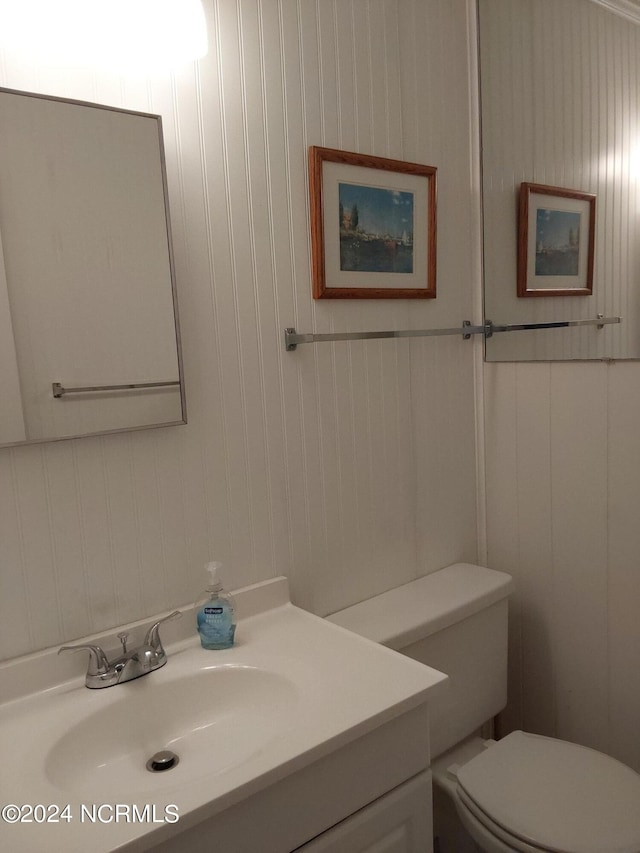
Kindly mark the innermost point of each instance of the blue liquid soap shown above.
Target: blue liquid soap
(216, 617)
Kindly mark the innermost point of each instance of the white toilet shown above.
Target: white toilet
(525, 792)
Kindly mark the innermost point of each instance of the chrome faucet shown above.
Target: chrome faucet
(101, 672)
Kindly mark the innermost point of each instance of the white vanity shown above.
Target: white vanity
(302, 737)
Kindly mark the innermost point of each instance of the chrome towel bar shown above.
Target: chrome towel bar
(292, 338)
(598, 321)
(59, 390)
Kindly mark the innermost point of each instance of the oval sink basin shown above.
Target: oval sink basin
(214, 719)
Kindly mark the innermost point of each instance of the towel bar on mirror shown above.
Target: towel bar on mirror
(59, 390)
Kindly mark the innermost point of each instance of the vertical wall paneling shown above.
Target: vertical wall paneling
(579, 536)
(444, 471)
(623, 577)
(348, 467)
(286, 158)
(501, 506)
(123, 517)
(38, 555)
(17, 634)
(535, 525)
(67, 539)
(562, 474)
(267, 295)
(238, 350)
(475, 280)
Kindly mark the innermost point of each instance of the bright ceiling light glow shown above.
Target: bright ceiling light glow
(121, 35)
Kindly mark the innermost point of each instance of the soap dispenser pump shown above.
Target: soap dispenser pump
(216, 617)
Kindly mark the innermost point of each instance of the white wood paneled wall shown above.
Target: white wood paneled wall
(563, 492)
(349, 467)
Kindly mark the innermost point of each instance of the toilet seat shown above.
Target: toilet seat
(485, 832)
(539, 793)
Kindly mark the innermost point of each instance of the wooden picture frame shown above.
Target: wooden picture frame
(373, 226)
(556, 240)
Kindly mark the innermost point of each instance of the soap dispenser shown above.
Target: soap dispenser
(216, 617)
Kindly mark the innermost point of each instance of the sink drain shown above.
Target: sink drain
(161, 761)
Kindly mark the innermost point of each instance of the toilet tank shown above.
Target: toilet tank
(454, 620)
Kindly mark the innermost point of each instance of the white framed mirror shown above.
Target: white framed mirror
(89, 335)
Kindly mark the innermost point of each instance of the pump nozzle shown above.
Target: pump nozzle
(214, 578)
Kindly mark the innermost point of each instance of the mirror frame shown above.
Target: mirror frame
(174, 296)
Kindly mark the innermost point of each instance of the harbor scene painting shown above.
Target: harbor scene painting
(373, 226)
(376, 229)
(557, 242)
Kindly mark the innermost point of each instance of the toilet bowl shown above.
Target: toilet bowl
(524, 793)
(531, 793)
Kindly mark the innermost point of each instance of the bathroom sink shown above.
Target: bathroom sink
(213, 720)
(293, 692)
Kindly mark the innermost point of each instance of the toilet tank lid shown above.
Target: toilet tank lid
(411, 612)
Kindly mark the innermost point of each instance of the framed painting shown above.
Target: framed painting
(556, 239)
(373, 226)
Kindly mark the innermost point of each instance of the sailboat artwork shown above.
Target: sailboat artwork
(373, 226)
(556, 241)
(376, 229)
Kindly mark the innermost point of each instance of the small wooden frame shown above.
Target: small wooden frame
(556, 239)
(373, 226)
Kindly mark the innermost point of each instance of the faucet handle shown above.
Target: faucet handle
(98, 663)
(152, 638)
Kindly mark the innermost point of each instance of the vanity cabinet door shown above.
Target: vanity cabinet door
(399, 822)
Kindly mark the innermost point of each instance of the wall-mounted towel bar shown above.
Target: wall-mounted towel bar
(292, 338)
(598, 321)
(59, 390)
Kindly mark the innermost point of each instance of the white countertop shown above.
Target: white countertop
(336, 687)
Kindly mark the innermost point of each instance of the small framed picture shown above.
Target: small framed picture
(556, 238)
(373, 226)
